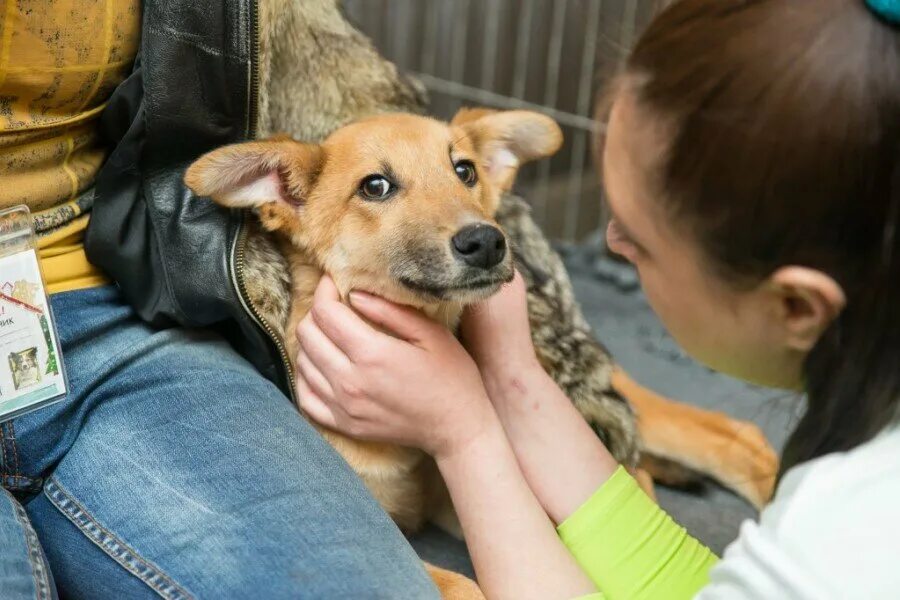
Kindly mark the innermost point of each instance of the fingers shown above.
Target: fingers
(313, 406)
(481, 317)
(321, 351)
(510, 295)
(326, 290)
(518, 281)
(352, 335)
(313, 377)
(402, 321)
(349, 333)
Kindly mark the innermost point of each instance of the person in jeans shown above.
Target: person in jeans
(174, 467)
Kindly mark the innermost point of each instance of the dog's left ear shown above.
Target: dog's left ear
(506, 140)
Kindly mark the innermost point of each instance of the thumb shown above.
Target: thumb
(400, 321)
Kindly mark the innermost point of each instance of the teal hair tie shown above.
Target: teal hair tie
(889, 10)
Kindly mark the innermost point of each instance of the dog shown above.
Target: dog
(399, 205)
(317, 73)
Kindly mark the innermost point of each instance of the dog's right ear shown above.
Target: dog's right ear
(252, 174)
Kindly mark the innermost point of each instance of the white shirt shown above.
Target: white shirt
(832, 531)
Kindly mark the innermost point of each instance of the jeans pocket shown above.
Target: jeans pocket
(112, 545)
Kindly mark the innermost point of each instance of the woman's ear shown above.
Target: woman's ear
(505, 140)
(278, 170)
(806, 303)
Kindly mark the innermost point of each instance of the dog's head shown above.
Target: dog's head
(396, 204)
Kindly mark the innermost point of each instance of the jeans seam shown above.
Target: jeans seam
(5, 464)
(39, 572)
(11, 476)
(113, 546)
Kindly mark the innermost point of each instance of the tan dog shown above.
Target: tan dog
(317, 73)
(399, 205)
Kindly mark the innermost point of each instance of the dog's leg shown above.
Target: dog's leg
(453, 586)
(734, 453)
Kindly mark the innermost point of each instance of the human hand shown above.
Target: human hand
(497, 334)
(414, 385)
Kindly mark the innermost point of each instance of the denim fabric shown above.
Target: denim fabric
(174, 469)
(24, 572)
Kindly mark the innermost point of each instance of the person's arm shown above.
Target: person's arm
(561, 456)
(421, 389)
(358, 380)
(628, 545)
(514, 546)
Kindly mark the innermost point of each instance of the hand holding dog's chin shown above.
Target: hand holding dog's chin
(497, 334)
(414, 385)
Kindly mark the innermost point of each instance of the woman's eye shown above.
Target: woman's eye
(465, 170)
(376, 187)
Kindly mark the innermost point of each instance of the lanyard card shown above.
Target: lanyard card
(31, 366)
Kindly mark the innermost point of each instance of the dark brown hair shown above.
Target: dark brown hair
(786, 151)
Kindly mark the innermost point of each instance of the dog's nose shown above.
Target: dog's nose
(480, 245)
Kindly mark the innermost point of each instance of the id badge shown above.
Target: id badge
(31, 365)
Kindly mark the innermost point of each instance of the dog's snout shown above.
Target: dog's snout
(480, 245)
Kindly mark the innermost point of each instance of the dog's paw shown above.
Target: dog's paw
(453, 586)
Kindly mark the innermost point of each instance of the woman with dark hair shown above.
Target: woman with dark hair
(752, 163)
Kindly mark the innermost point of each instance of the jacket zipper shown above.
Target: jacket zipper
(237, 262)
(237, 252)
(253, 108)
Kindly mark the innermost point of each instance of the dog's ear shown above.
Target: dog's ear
(506, 140)
(253, 174)
(467, 115)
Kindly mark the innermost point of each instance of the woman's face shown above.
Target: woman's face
(736, 331)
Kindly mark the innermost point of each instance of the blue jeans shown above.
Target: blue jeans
(174, 469)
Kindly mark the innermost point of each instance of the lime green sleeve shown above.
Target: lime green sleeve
(631, 549)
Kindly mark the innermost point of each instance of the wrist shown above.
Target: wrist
(483, 432)
(513, 380)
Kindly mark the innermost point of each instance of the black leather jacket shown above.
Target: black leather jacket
(179, 261)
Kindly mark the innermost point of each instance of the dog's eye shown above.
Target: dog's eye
(465, 170)
(376, 187)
